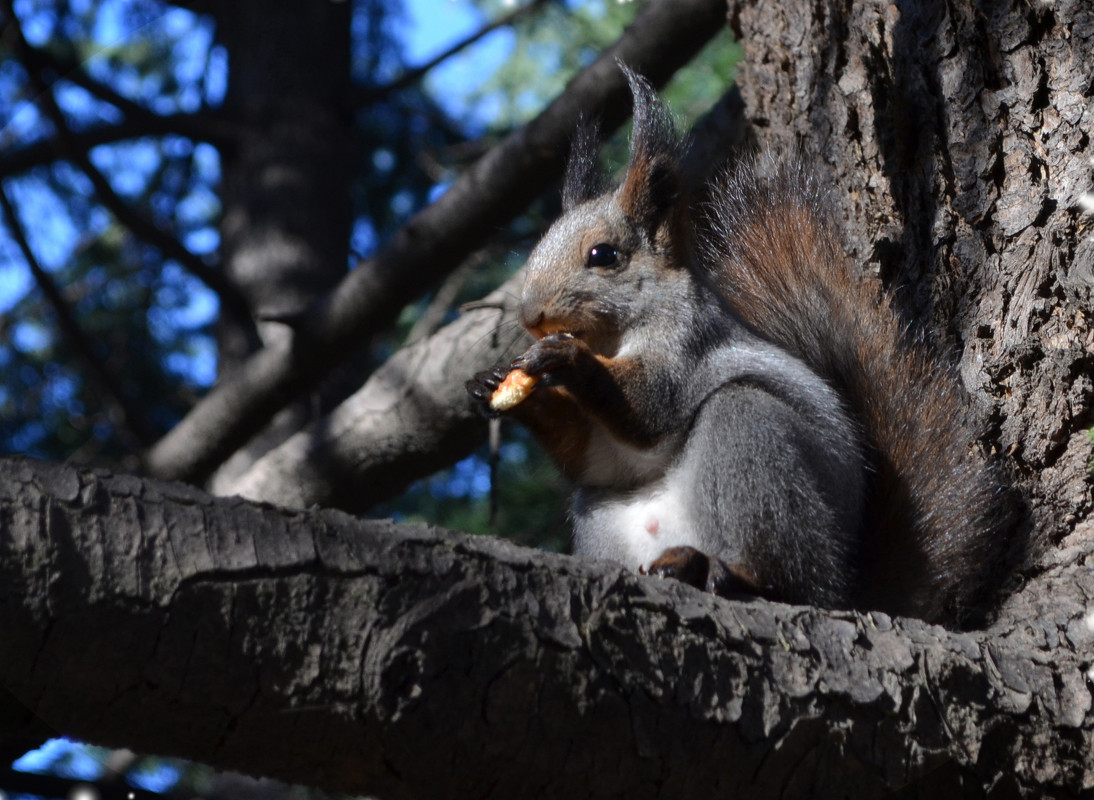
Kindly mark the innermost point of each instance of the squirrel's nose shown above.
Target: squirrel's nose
(532, 320)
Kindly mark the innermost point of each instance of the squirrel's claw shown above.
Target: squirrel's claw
(685, 564)
(482, 387)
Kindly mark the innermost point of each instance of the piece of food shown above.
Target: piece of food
(512, 391)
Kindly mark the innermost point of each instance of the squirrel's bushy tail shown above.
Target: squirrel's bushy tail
(935, 532)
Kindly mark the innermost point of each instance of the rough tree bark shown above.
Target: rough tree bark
(410, 419)
(410, 662)
(957, 137)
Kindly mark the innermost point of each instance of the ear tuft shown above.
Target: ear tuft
(651, 192)
(584, 178)
(653, 132)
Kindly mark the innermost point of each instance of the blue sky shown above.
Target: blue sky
(434, 25)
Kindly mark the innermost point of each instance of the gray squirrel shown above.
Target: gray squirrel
(735, 407)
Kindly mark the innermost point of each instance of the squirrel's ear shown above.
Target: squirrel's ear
(584, 178)
(651, 194)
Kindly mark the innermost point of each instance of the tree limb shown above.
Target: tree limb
(663, 37)
(407, 662)
(411, 418)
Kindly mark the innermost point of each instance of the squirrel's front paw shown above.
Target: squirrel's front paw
(552, 355)
(481, 389)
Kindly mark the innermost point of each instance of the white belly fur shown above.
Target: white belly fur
(633, 528)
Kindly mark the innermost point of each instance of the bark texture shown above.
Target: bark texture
(410, 419)
(410, 662)
(957, 139)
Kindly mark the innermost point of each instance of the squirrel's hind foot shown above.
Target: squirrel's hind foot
(707, 572)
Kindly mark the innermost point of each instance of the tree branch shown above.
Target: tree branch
(411, 662)
(663, 37)
(132, 417)
(411, 418)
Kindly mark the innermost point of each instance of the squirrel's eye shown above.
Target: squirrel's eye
(602, 255)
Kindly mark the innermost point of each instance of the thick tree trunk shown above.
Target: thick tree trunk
(408, 662)
(286, 189)
(285, 227)
(957, 139)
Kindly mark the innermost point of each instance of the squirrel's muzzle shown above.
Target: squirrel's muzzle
(540, 326)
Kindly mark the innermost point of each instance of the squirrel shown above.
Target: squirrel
(736, 408)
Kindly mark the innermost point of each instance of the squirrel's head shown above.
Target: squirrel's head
(613, 255)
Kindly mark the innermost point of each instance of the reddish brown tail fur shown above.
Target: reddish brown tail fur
(935, 533)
